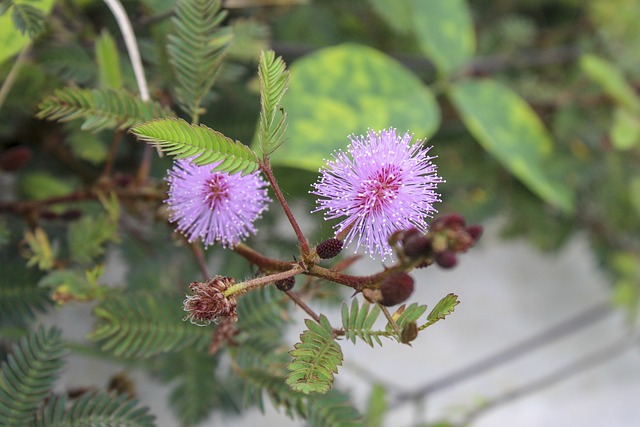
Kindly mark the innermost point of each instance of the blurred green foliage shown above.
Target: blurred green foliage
(532, 108)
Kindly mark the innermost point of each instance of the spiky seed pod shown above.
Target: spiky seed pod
(329, 248)
(396, 288)
(208, 302)
(286, 284)
(446, 259)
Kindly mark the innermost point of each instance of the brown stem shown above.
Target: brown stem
(304, 246)
(356, 282)
(197, 251)
(303, 305)
(113, 150)
(263, 262)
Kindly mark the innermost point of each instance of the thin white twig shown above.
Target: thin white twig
(132, 45)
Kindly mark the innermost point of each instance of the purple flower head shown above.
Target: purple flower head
(215, 206)
(383, 183)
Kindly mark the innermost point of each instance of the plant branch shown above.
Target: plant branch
(304, 245)
(295, 297)
(13, 74)
(132, 45)
(264, 263)
(244, 287)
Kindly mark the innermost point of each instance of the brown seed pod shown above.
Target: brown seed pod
(396, 288)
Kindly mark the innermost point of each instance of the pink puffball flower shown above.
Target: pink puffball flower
(382, 184)
(215, 206)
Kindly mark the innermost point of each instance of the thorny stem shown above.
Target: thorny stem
(113, 150)
(304, 245)
(258, 282)
(196, 249)
(295, 297)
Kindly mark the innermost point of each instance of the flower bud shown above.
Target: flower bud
(286, 284)
(475, 231)
(329, 248)
(396, 288)
(14, 158)
(446, 259)
(416, 245)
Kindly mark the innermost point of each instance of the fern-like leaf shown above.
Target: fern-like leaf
(196, 50)
(179, 138)
(28, 19)
(332, 410)
(358, 321)
(28, 375)
(274, 81)
(408, 315)
(143, 325)
(93, 409)
(315, 359)
(20, 296)
(100, 108)
(443, 308)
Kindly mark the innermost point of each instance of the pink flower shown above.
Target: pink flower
(215, 206)
(383, 183)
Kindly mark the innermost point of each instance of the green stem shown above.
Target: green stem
(258, 282)
(13, 74)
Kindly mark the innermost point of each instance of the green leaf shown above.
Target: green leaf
(87, 237)
(348, 89)
(376, 407)
(143, 325)
(43, 185)
(612, 81)
(100, 108)
(445, 31)
(11, 40)
(625, 133)
(73, 285)
(409, 315)
(196, 50)
(20, 297)
(396, 13)
(179, 138)
(512, 133)
(315, 359)
(108, 61)
(358, 321)
(332, 410)
(93, 409)
(28, 19)
(443, 308)
(634, 194)
(28, 375)
(88, 147)
(274, 81)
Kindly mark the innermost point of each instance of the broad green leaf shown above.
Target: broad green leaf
(634, 194)
(347, 89)
(445, 31)
(11, 40)
(396, 13)
(108, 61)
(506, 126)
(612, 81)
(625, 132)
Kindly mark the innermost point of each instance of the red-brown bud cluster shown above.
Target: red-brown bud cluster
(447, 236)
(329, 248)
(208, 302)
(396, 288)
(15, 158)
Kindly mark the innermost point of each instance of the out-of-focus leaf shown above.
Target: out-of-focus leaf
(108, 61)
(377, 406)
(41, 185)
(347, 89)
(634, 194)
(612, 81)
(11, 39)
(445, 31)
(396, 13)
(625, 132)
(506, 126)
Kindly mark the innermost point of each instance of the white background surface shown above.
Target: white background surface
(508, 292)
